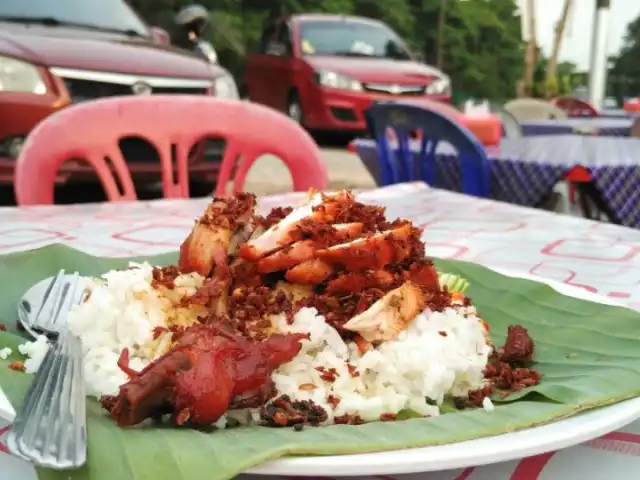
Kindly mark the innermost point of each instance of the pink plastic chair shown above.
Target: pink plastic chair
(91, 131)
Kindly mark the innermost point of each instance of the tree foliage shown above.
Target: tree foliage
(483, 50)
(624, 74)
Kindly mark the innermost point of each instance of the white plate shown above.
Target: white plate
(533, 441)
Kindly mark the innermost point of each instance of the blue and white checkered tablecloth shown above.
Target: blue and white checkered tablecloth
(604, 126)
(525, 170)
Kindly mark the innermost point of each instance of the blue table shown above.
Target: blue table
(525, 170)
(605, 126)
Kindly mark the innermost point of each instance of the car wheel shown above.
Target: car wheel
(294, 109)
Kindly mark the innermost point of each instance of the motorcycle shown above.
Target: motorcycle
(194, 19)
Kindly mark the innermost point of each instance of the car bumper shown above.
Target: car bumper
(330, 109)
(141, 172)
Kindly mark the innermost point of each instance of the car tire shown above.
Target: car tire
(294, 108)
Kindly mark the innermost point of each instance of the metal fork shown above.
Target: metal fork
(50, 427)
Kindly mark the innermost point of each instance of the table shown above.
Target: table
(603, 258)
(525, 170)
(604, 126)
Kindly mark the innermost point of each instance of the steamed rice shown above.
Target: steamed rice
(121, 312)
(441, 353)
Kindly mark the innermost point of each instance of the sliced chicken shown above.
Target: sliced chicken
(372, 253)
(279, 235)
(387, 317)
(311, 272)
(205, 247)
(209, 242)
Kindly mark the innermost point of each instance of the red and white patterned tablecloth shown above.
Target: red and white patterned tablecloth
(601, 257)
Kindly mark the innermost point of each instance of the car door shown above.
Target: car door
(258, 76)
(282, 64)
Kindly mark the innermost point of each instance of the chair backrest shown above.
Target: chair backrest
(575, 107)
(173, 124)
(531, 109)
(405, 164)
(635, 129)
(511, 128)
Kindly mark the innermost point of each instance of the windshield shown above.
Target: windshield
(351, 38)
(111, 15)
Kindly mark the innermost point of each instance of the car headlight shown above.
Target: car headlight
(440, 86)
(225, 87)
(337, 80)
(19, 76)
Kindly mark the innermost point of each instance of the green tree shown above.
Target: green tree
(481, 43)
(624, 74)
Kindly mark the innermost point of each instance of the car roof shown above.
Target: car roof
(306, 17)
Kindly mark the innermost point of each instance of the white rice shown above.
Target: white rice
(121, 312)
(35, 351)
(488, 405)
(5, 352)
(440, 354)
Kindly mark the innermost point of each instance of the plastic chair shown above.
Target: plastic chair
(635, 129)
(532, 109)
(575, 107)
(511, 128)
(172, 124)
(397, 165)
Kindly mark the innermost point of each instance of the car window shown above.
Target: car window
(102, 14)
(350, 38)
(267, 38)
(276, 40)
(284, 38)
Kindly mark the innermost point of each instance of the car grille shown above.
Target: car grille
(82, 90)
(393, 89)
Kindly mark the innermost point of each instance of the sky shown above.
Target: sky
(577, 41)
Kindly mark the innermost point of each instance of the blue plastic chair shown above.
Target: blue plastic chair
(398, 165)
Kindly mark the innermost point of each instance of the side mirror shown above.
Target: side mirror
(160, 36)
(418, 57)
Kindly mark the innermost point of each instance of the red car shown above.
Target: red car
(324, 70)
(57, 53)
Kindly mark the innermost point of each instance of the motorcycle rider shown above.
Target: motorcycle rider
(194, 20)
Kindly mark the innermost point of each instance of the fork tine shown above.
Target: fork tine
(59, 301)
(48, 306)
(65, 303)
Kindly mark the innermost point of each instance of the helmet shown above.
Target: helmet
(191, 14)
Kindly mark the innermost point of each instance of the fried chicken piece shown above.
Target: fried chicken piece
(311, 272)
(356, 282)
(279, 235)
(208, 371)
(288, 257)
(209, 242)
(319, 208)
(305, 249)
(374, 252)
(387, 317)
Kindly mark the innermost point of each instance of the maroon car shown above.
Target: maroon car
(57, 53)
(325, 70)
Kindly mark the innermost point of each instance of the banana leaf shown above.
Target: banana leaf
(589, 355)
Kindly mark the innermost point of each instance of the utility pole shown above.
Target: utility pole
(442, 20)
(552, 66)
(531, 52)
(598, 66)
